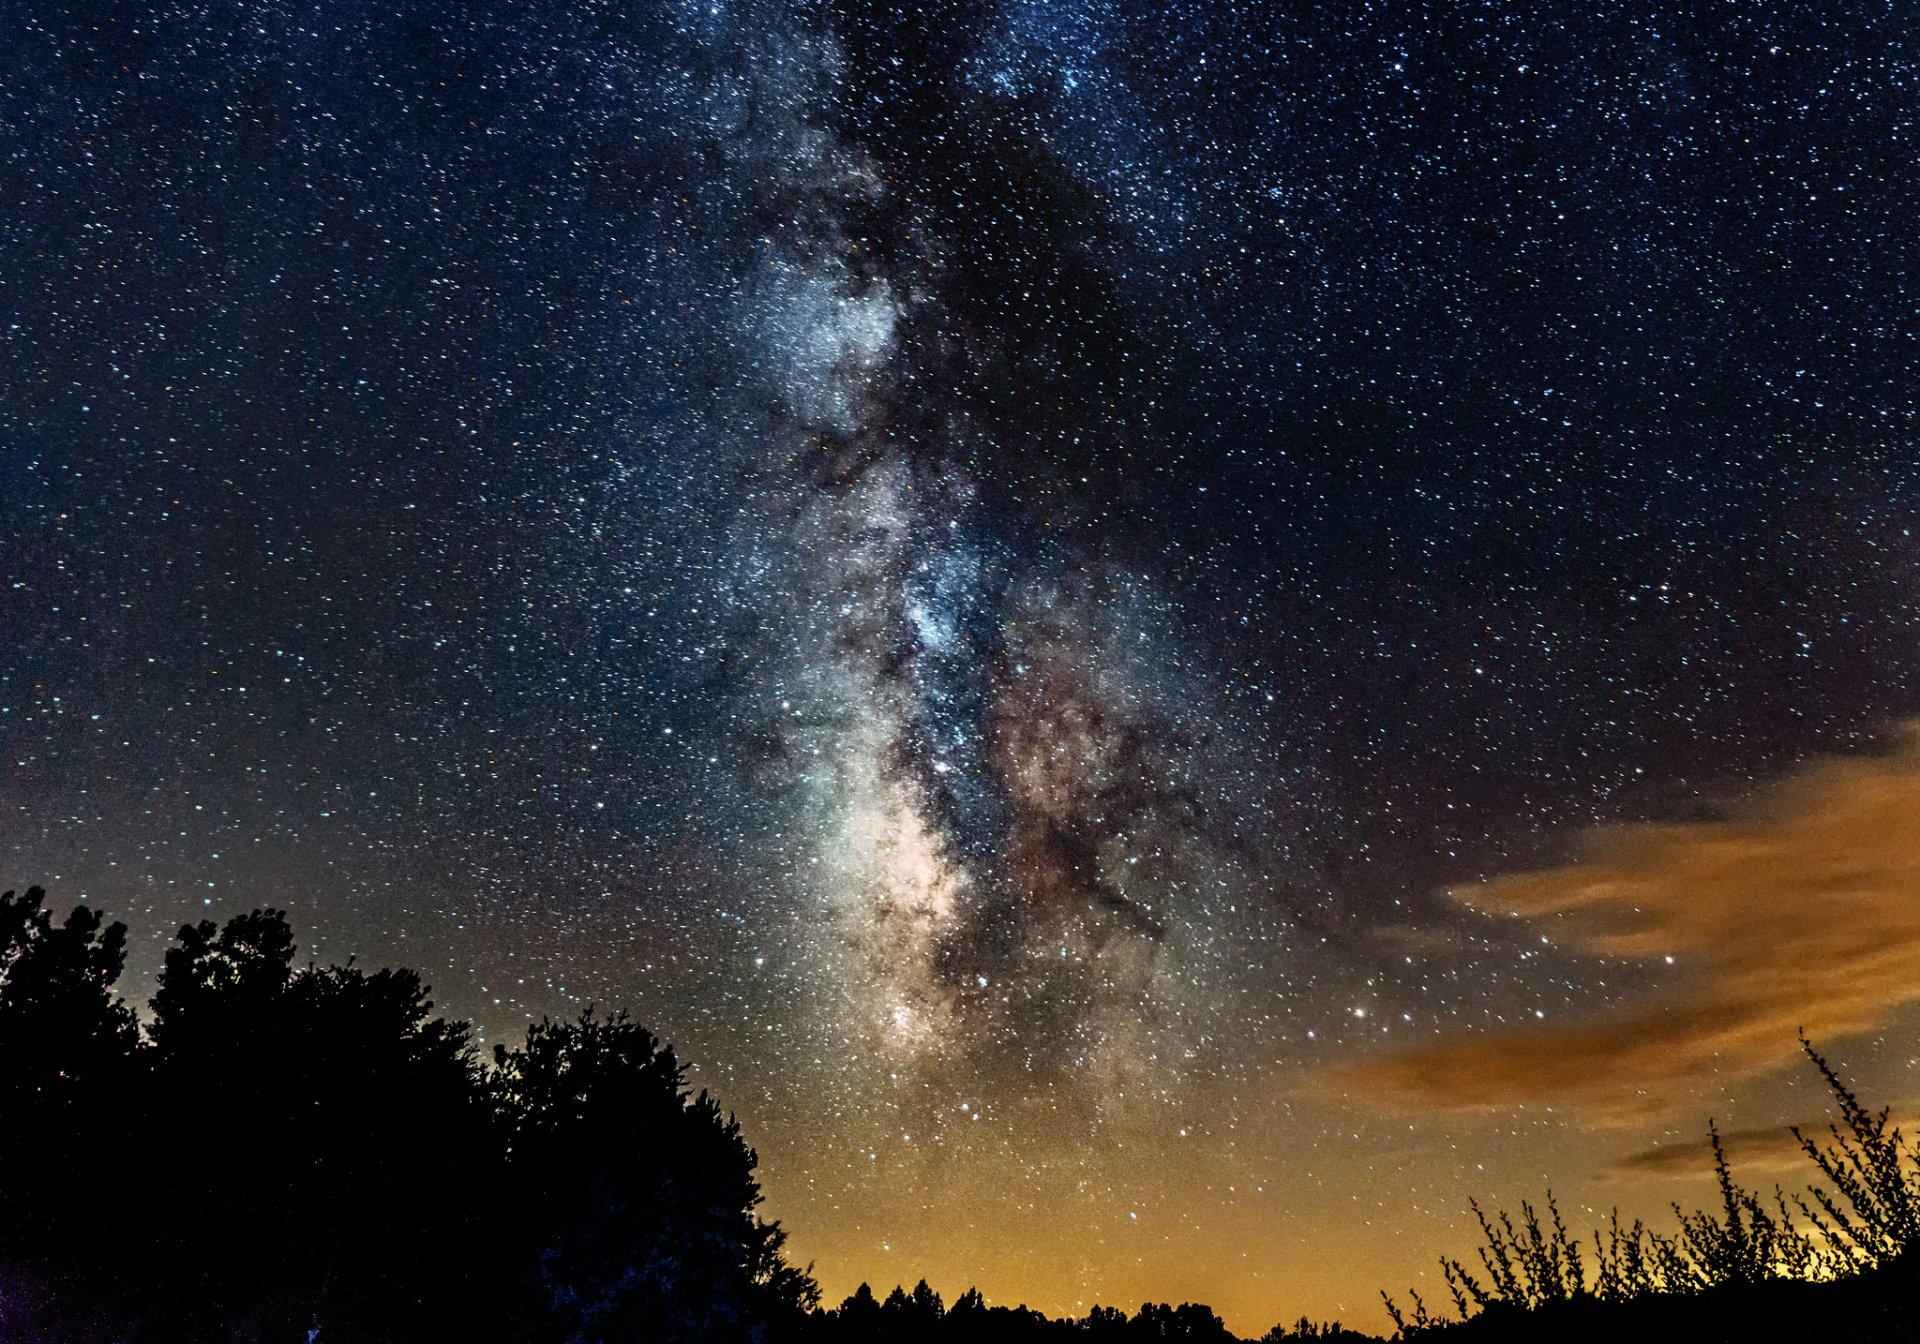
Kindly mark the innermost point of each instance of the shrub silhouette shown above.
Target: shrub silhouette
(1874, 1176)
(1849, 1235)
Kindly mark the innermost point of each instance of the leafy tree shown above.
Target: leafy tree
(926, 1303)
(222, 985)
(641, 1196)
(322, 1134)
(66, 1070)
(320, 1152)
(1305, 1330)
(1188, 1321)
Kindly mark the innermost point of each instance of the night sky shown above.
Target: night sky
(1166, 637)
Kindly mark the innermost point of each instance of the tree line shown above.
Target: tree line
(288, 1152)
(307, 1153)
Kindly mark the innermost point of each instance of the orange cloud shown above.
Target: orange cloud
(1765, 1152)
(1801, 909)
(1771, 1151)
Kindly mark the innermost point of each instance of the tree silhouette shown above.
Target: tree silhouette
(66, 1070)
(1188, 1321)
(321, 1134)
(858, 1318)
(640, 1197)
(1304, 1331)
(911, 1317)
(311, 1153)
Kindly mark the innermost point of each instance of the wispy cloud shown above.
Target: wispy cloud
(1801, 909)
(1764, 1152)
(1770, 1151)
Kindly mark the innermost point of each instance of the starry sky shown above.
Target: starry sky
(1165, 636)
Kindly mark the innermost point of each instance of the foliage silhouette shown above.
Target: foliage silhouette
(323, 1132)
(311, 1153)
(1844, 1268)
(306, 1152)
(917, 1316)
(1305, 1330)
(641, 1196)
(1873, 1175)
(66, 1066)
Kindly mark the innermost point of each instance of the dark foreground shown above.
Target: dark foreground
(285, 1153)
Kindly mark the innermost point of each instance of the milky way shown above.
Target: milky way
(985, 721)
(993, 569)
